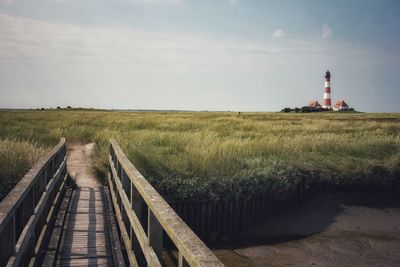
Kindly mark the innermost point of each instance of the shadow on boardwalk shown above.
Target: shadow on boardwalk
(86, 240)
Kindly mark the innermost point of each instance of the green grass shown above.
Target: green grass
(227, 155)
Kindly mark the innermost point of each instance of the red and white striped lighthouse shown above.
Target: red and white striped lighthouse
(327, 92)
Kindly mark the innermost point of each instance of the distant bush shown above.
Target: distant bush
(306, 109)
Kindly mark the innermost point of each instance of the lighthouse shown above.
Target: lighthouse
(327, 92)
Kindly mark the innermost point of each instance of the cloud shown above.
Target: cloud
(30, 42)
(172, 2)
(326, 32)
(278, 33)
(167, 2)
(40, 41)
(236, 2)
(6, 1)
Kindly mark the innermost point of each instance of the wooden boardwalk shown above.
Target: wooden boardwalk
(86, 238)
(49, 220)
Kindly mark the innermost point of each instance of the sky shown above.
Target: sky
(223, 55)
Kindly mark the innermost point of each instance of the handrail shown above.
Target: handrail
(29, 208)
(130, 191)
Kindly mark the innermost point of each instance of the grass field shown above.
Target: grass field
(211, 155)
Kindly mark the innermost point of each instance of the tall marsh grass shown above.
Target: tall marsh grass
(211, 155)
(16, 158)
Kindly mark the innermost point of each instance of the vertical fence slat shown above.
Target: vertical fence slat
(213, 220)
(155, 235)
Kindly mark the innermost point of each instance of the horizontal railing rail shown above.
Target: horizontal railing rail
(142, 229)
(28, 210)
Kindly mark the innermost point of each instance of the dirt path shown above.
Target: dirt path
(328, 229)
(80, 165)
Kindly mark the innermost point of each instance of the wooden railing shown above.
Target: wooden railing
(28, 210)
(144, 216)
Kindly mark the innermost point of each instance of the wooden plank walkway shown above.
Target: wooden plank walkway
(86, 238)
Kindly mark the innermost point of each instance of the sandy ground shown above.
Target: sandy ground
(80, 165)
(328, 229)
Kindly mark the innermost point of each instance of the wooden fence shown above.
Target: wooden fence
(144, 217)
(28, 210)
(217, 222)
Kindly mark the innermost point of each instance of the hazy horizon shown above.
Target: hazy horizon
(226, 55)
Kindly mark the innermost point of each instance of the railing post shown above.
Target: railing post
(46, 174)
(155, 234)
(14, 233)
(53, 166)
(181, 261)
(8, 238)
(136, 203)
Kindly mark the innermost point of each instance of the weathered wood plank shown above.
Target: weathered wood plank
(86, 238)
(57, 231)
(98, 261)
(114, 244)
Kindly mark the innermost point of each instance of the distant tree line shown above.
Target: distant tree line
(58, 107)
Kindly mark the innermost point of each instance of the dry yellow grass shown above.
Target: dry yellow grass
(16, 157)
(230, 155)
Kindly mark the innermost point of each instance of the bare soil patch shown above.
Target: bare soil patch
(328, 229)
(80, 165)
